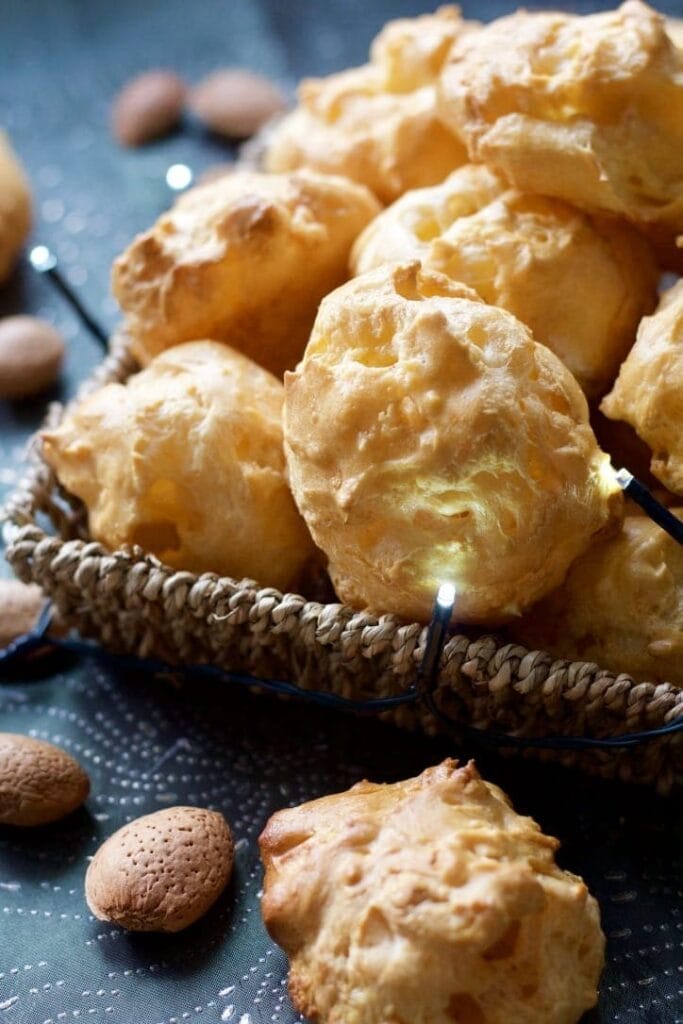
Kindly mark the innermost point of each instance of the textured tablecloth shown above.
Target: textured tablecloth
(148, 743)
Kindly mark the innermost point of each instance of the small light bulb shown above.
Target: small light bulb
(41, 258)
(446, 595)
(623, 477)
(179, 177)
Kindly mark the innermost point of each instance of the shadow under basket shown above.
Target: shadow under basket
(131, 603)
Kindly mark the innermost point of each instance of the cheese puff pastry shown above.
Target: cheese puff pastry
(588, 109)
(580, 283)
(245, 259)
(429, 901)
(674, 30)
(620, 606)
(429, 438)
(186, 461)
(377, 124)
(15, 208)
(648, 392)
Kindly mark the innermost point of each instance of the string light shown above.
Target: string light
(436, 637)
(638, 492)
(44, 261)
(179, 177)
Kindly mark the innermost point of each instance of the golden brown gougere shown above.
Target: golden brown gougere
(429, 438)
(15, 207)
(378, 123)
(245, 259)
(621, 606)
(186, 460)
(648, 392)
(580, 282)
(431, 901)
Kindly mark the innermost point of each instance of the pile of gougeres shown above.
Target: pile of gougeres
(453, 255)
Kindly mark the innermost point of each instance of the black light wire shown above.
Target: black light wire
(423, 690)
(44, 262)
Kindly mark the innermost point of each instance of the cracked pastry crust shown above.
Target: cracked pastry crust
(186, 461)
(621, 606)
(15, 208)
(648, 392)
(245, 260)
(674, 30)
(377, 123)
(587, 109)
(580, 283)
(430, 438)
(429, 901)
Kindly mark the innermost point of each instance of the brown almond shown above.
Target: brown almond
(39, 782)
(235, 102)
(147, 107)
(31, 356)
(162, 872)
(20, 605)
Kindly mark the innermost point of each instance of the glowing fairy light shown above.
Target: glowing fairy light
(660, 514)
(436, 637)
(44, 261)
(179, 177)
(41, 259)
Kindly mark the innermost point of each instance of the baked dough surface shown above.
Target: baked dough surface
(186, 461)
(15, 208)
(377, 123)
(588, 109)
(648, 392)
(429, 901)
(429, 438)
(620, 606)
(581, 283)
(245, 260)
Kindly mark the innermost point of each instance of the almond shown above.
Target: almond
(39, 782)
(20, 605)
(162, 872)
(31, 356)
(235, 102)
(147, 107)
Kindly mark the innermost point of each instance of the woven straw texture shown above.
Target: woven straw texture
(131, 603)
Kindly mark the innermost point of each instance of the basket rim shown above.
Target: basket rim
(663, 701)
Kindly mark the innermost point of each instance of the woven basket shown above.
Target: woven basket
(131, 603)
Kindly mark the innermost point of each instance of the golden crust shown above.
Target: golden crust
(406, 230)
(648, 392)
(429, 901)
(245, 260)
(377, 124)
(588, 109)
(186, 460)
(674, 30)
(580, 283)
(429, 438)
(620, 606)
(15, 208)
